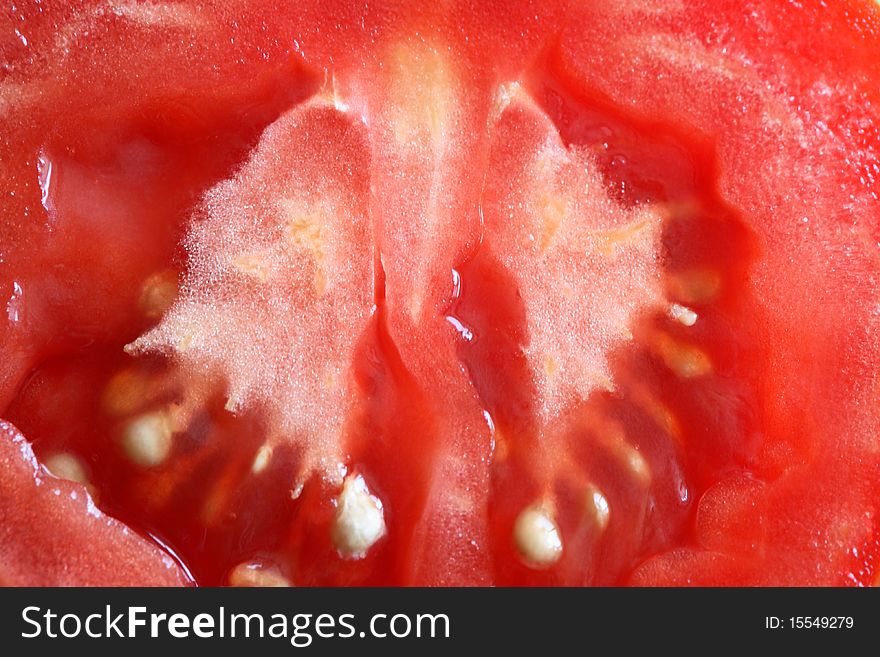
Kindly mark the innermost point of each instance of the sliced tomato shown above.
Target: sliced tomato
(52, 534)
(564, 293)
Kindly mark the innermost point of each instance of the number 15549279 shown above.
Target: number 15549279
(809, 622)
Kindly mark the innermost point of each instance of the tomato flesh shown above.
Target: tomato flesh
(691, 436)
(65, 556)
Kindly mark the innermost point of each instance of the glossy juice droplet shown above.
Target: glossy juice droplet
(14, 304)
(45, 177)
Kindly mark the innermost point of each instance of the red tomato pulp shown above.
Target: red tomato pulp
(464, 294)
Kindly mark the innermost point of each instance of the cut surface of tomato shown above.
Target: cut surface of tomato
(71, 529)
(560, 294)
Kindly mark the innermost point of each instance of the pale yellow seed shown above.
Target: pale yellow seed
(636, 463)
(261, 459)
(252, 574)
(359, 521)
(536, 536)
(67, 466)
(596, 507)
(686, 360)
(126, 392)
(683, 314)
(147, 439)
(615, 439)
